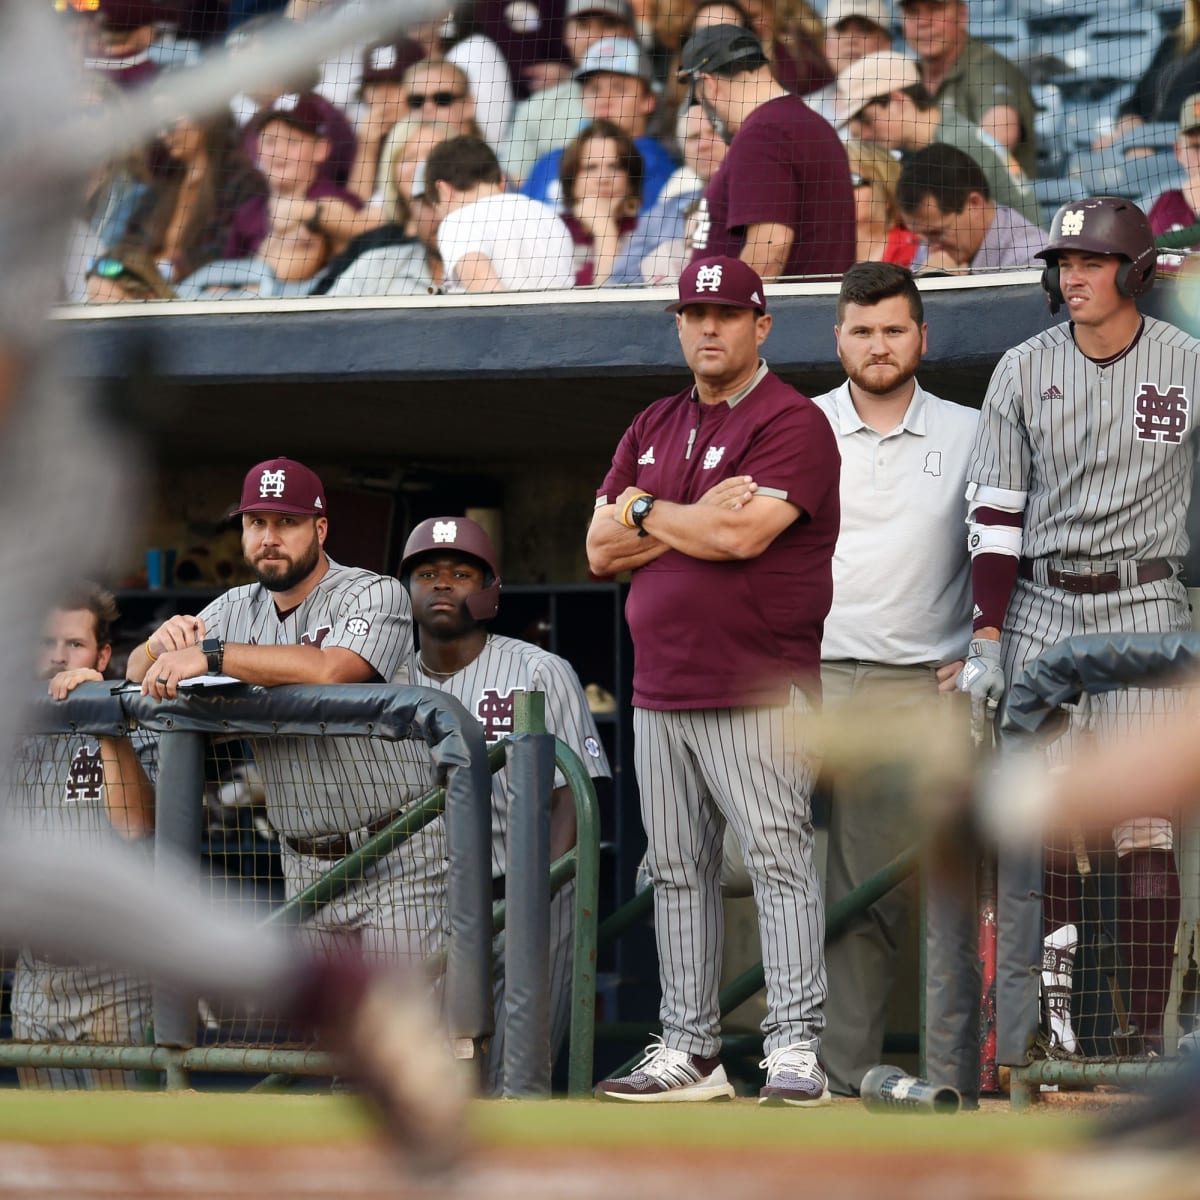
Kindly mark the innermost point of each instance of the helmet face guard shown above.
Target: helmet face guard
(1102, 225)
(457, 535)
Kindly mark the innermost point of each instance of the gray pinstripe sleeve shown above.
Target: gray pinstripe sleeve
(1001, 456)
(215, 615)
(374, 619)
(568, 717)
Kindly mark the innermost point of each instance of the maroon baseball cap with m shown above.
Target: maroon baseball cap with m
(282, 485)
(720, 280)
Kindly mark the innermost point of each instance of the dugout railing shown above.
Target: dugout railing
(1037, 705)
(203, 716)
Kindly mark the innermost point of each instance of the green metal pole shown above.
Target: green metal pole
(581, 1062)
(632, 912)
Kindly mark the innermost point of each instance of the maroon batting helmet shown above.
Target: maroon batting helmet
(1102, 225)
(441, 535)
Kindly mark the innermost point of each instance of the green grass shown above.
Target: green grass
(235, 1118)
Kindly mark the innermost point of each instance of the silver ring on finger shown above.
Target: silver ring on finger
(162, 680)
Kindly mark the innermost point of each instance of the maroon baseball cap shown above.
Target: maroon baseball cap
(282, 485)
(304, 111)
(720, 280)
(386, 62)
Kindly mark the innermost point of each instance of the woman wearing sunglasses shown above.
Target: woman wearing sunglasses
(881, 238)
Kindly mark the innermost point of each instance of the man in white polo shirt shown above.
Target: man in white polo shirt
(492, 240)
(900, 621)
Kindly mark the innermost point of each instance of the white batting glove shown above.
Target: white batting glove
(982, 678)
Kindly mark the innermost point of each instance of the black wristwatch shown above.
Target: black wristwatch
(214, 651)
(639, 510)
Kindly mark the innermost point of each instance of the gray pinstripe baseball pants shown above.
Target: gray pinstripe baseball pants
(698, 769)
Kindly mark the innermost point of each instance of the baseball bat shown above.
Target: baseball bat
(982, 733)
(889, 1089)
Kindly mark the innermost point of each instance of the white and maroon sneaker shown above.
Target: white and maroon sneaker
(667, 1076)
(794, 1077)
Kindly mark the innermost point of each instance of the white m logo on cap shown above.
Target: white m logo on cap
(708, 279)
(271, 483)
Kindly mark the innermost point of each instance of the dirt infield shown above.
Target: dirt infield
(97, 1147)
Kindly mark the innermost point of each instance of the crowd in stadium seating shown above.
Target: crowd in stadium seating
(316, 184)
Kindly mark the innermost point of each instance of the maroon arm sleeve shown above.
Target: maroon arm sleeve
(993, 575)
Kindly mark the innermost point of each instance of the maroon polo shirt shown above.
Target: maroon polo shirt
(729, 634)
(785, 166)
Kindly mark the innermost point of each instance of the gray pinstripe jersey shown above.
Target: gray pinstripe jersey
(58, 787)
(1105, 453)
(58, 783)
(486, 688)
(318, 786)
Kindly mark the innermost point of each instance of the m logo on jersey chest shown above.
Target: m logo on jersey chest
(316, 637)
(494, 711)
(85, 780)
(1161, 416)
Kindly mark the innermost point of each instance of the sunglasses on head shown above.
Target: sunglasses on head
(441, 99)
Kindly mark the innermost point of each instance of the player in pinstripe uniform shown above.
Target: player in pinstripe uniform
(311, 620)
(895, 636)
(1077, 496)
(91, 790)
(450, 570)
(723, 501)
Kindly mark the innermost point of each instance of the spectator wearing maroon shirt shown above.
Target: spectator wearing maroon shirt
(781, 201)
(723, 502)
(1179, 208)
(304, 219)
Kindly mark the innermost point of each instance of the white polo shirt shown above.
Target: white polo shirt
(528, 245)
(901, 572)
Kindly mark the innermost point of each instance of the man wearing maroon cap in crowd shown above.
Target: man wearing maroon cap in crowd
(723, 502)
(385, 101)
(311, 620)
(782, 200)
(258, 98)
(304, 219)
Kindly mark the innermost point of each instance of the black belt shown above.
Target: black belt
(1150, 570)
(337, 845)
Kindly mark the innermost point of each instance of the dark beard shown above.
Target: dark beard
(300, 570)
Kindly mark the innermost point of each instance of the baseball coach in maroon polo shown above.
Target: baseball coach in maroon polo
(723, 502)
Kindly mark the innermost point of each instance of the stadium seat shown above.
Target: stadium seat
(1007, 34)
(990, 10)
(1156, 136)
(1090, 54)
(1052, 193)
(1110, 172)
(1050, 129)
(1038, 12)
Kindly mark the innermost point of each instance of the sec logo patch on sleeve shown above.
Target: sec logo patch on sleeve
(592, 746)
(358, 627)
